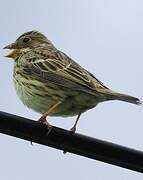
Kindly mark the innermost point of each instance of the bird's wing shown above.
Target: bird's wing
(58, 68)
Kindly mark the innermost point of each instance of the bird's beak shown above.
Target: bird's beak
(13, 50)
(10, 46)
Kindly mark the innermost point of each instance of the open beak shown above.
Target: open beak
(10, 46)
(13, 50)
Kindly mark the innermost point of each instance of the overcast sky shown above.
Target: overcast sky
(105, 37)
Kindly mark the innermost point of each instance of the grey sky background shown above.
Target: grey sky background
(105, 37)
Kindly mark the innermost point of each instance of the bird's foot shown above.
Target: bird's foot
(45, 122)
(42, 119)
(72, 130)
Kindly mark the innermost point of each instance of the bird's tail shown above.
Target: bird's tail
(112, 95)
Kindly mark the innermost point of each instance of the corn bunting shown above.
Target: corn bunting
(51, 83)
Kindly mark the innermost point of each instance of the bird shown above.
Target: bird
(51, 83)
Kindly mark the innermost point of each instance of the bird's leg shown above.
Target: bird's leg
(73, 129)
(43, 117)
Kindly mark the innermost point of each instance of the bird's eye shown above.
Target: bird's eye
(26, 39)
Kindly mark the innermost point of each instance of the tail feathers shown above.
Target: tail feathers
(127, 98)
(112, 95)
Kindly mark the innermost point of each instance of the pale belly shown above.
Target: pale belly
(79, 102)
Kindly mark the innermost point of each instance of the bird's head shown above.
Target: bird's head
(26, 41)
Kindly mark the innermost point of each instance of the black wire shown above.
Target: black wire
(78, 144)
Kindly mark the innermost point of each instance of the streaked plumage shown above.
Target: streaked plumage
(44, 75)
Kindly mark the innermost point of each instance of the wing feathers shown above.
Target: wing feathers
(63, 71)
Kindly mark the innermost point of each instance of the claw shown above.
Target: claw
(72, 130)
